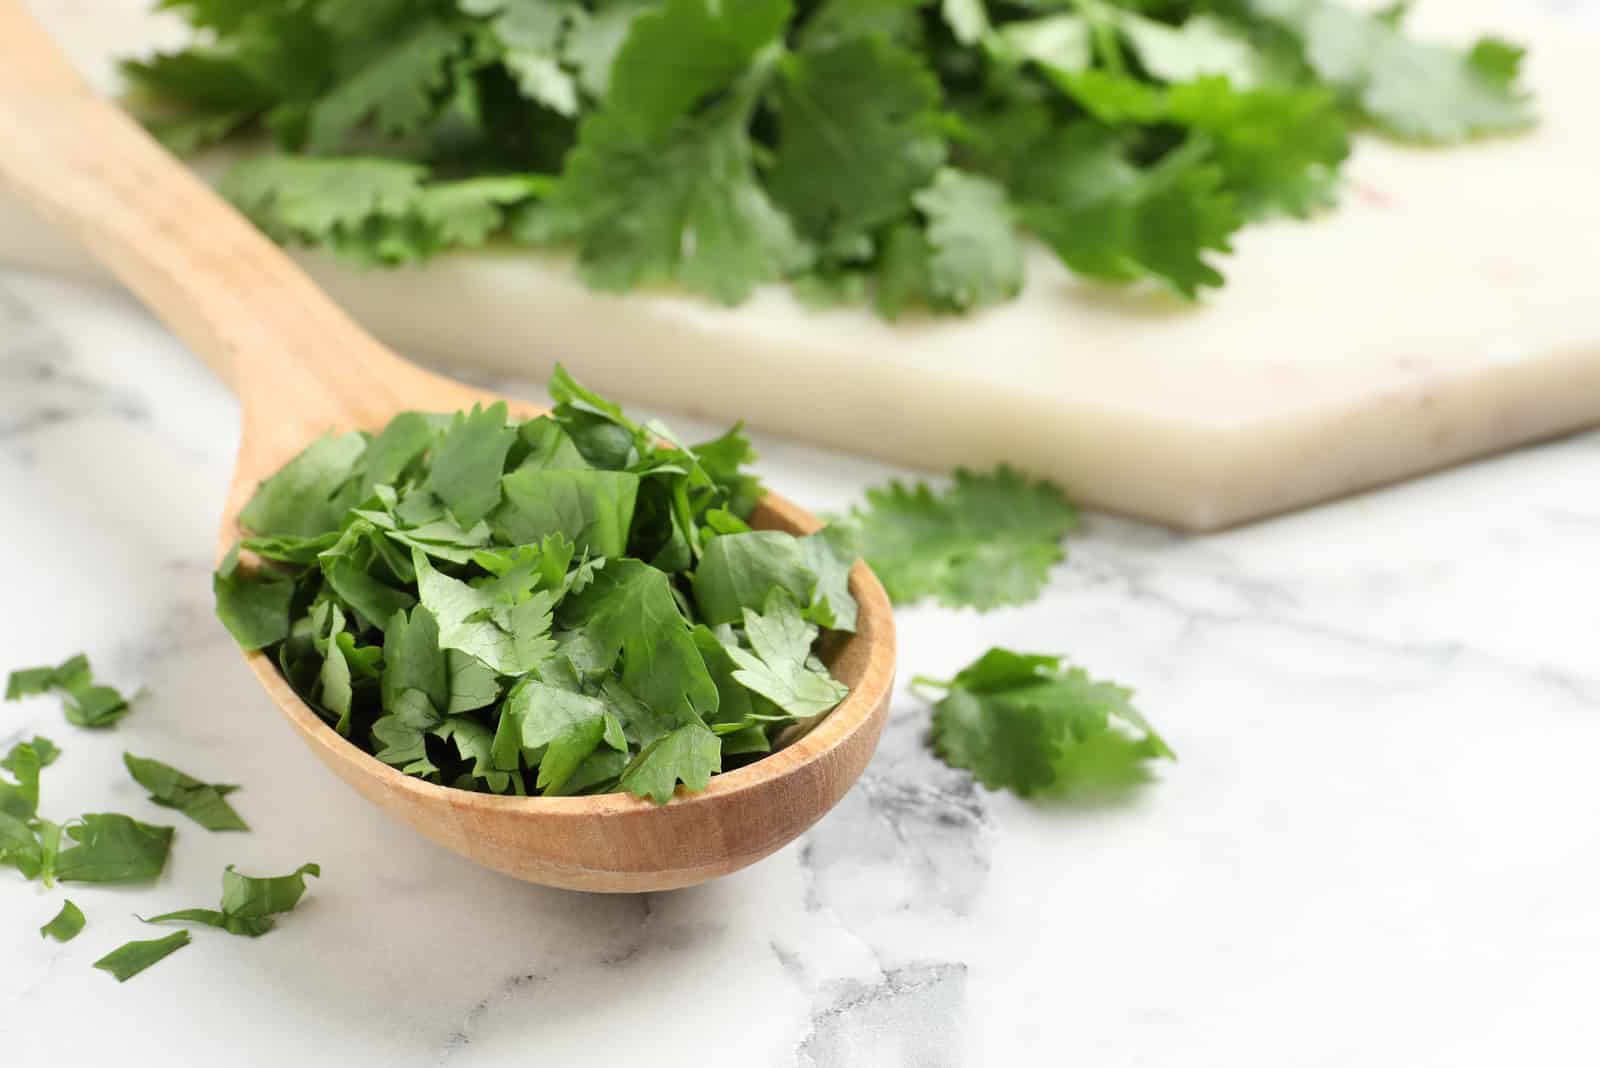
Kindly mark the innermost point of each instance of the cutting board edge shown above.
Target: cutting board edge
(1167, 472)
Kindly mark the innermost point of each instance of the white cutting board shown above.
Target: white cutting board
(1449, 308)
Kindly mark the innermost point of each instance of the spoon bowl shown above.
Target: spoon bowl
(301, 367)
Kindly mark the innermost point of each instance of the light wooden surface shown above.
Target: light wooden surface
(300, 366)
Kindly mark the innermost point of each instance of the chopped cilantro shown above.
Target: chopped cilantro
(205, 803)
(987, 541)
(130, 959)
(28, 842)
(113, 848)
(1028, 724)
(518, 607)
(250, 905)
(86, 702)
(66, 924)
(891, 152)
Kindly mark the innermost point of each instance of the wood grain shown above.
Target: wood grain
(301, 366)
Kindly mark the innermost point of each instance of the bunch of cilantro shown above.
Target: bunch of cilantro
(572, 604)
(892, 151)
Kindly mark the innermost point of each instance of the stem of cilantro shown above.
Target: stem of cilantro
(1102, 36)
(747, 93)
(923, 680)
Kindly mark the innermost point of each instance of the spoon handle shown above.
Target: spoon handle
(241, 304)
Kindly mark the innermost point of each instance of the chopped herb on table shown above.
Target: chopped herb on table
(1028, 724)
(86, 702)
(101, 847)
(205, 803)
(987, 541)
(66, 925)
(893, 152)
(113, 848)
(569, 604)
(129, 960)
(28, 842)
(249, 904)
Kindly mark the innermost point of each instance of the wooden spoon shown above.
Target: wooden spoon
(301, 366)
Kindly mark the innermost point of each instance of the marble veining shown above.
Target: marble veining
(1378, 846)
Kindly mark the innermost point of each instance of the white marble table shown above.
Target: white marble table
(1379, 847)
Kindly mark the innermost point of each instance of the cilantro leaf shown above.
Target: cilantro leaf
(85, 702)
(681, 51)
(20, 800)
(395, 90)
(530, 35)
(690, 754)
(779, 665)
(254, 608)
(130, 959)
(66, 924)
(974, 251)
(536, 715)
(113, 848)
(1415, 89)
(987, 541)
(738, 571)
(1201, 45)
(628, 613)
(595, 37)
(310, 494)
(250, 905)
(511, 635)
(205, 803)
(370, 210)
(467, 463)
(1028, 724)
(858, 134)
(680, 206)
(1107, 218)
(592, 509)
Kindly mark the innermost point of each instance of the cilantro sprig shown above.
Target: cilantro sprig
(988, 540)
(890, 151)
(570, 604)
(1030, 724)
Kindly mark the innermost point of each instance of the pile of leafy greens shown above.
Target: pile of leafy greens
(572, 604)
(884, 150)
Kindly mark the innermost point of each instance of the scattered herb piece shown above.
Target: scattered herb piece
(891, 152)
(87, 704)
(66, 925)
(1027, 724)
(129, 960)
(987, 541)
(205, 803)
(113, 848)
(248, 904)
(27, 842)
(528, 606)
(255, 611)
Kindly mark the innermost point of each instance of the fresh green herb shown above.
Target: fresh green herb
(66, 925)
(87, 703)
(570, 604)
(892, 151)
(205, 803)
(249, 904)
(27, 842)
(1027, 724)
(987, 541)
(129, 960)
(113, 848)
